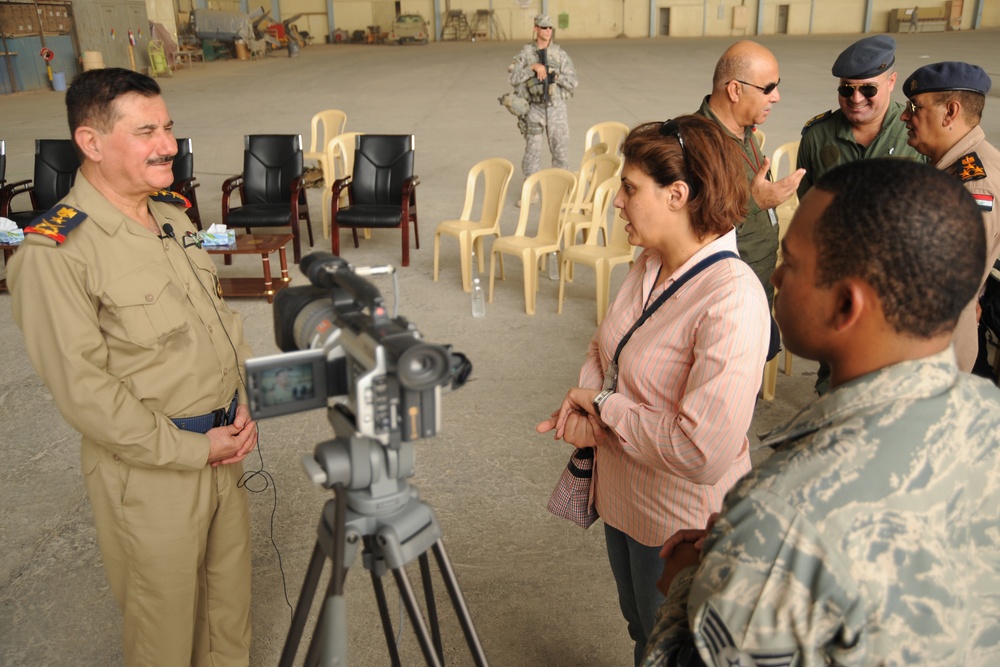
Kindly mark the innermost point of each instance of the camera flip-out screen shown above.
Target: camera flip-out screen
(285, 383)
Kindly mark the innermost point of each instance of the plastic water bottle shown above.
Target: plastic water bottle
(478, 297)
(553, 266)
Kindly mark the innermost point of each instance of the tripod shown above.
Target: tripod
(375, 508)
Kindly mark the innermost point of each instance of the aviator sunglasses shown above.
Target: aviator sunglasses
(670, 128)
(869, 90)
(767, 90)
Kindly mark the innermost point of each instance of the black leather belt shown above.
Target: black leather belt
(214, 419)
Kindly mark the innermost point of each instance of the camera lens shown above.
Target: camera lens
(423, 366)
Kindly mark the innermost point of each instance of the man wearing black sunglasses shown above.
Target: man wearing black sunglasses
(867, 124)
(744, 88)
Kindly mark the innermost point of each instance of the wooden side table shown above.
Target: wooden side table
(255, 244)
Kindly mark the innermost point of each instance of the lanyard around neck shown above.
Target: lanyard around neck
(611, 374)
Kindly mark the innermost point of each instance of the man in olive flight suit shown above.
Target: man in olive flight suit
(866, 125)
(744, 88)
(123, 319)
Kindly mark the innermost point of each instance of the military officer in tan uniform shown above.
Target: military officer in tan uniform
(124, 321)
(946, 102)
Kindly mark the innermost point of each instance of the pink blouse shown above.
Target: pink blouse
(687, 385)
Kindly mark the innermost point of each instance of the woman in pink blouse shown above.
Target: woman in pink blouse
(669, 418)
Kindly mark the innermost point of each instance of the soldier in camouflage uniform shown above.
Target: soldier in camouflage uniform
(545, 74)
(744, 88)
(870, 536)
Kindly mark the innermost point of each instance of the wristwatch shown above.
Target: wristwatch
(600, 398)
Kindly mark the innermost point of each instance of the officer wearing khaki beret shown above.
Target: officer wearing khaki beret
(945, 107)
(124, 321)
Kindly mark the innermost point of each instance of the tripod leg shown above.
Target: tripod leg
(419, 627)
(457, 601)
(302, 607)
(383, 612)
(432, 616)
(316, 649)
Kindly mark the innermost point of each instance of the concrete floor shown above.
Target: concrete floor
(539, 589)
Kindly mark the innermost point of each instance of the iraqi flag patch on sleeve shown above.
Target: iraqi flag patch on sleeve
(985, 202)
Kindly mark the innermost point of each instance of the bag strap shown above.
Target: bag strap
(669, 292)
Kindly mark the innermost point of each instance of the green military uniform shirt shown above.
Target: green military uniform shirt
(827, 142)
(757, 236)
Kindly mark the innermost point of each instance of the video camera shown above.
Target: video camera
(339, 343)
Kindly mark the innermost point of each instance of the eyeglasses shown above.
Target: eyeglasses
(912, 108)
(869, 90)
(767, 90)
(670, 128)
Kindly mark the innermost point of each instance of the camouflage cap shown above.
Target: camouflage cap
(866, 58)
(947, 76)
(543, 21)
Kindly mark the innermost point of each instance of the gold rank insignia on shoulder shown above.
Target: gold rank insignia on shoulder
(170, 197)
(818, 118)
(57, 223)
(970, 168)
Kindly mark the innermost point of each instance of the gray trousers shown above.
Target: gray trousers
(554, 123)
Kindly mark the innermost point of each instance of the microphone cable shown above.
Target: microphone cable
(248, 475)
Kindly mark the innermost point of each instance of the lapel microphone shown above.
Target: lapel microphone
(168, 231)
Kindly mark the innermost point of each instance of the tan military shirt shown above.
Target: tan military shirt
(128, 330)
(977, 164)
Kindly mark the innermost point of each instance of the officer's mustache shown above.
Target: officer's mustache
(161, 160)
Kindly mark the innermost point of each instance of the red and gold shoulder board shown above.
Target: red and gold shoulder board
(970, 168)
(819, 118)
(170, 197)
(57, 223)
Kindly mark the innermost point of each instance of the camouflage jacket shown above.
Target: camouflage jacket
(561, 72)
(870, 537)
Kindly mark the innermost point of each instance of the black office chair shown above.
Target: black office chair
(381, 190)
(56, 164)
(271, 190)
(184, 180)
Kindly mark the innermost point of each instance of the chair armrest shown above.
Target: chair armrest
(339, 185)
(410, 185)
(10, 191)
(187, 185)
(228, 186)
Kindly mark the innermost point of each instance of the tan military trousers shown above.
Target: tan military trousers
(176, 549)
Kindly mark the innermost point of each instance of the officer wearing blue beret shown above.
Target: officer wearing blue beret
(866, 125)
(945, 107)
